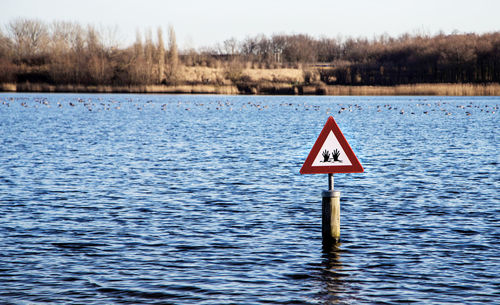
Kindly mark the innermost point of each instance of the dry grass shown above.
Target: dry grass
(8, 87)
(193, 89)
(185, 89)
(273, 81)
(418, 89)
(274, 75)
(210, 75)
(203, 75)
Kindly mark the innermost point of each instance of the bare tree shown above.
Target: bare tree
(138, 71)
(160, 56)
(173, 57)
(231, 46)
(30, 37)
(64, 50)
(5, 45)
(148, 55)
(7, 67)
(109, 37)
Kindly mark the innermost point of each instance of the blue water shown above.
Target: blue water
(164, 199)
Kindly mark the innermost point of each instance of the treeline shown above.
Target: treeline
(456, 58)
(66, 53)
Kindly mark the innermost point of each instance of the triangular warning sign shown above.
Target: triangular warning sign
(331, 153)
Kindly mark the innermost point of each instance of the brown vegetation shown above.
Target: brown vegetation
(64, 56)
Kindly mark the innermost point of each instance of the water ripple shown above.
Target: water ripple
(166, 205)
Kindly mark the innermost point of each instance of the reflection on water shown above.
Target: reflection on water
(154, 199)
(332, 277)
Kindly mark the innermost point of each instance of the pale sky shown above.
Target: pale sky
(200, 23)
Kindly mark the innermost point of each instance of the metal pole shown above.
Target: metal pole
(330, 214)
(330, 182)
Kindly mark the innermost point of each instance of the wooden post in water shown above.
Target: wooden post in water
(330, 214)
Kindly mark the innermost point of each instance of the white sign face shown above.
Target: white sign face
(331, 153)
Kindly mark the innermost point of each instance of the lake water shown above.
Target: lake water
(166, 199)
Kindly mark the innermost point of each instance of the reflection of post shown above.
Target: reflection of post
(333, 278)
(331, 217)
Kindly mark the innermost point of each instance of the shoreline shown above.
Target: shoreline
(268, 89)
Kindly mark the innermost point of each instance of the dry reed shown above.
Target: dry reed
(268, 84)
(419, 89)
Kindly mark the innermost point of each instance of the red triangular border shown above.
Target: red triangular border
(355, 166)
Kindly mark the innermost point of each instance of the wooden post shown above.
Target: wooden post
(331, 217)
